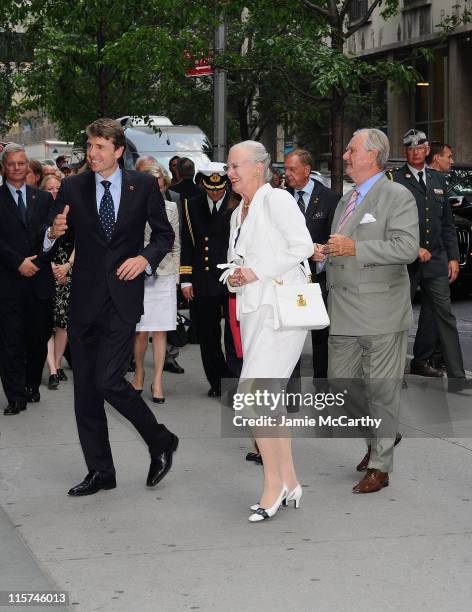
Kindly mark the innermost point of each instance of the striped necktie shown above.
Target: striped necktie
(350, 208)
(301, 201)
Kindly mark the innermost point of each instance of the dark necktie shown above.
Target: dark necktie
(214, 211)
(421, 181)
(106, 211)
(21, 205)
(301, 201)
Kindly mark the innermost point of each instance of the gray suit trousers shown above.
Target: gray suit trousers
(381, 360)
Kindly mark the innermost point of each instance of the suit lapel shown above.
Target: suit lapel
(126, 200)
(364, 207)
(30, 204)
(11, 204)
(313, 203)
(409, 177)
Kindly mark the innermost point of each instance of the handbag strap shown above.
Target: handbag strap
(306, 268)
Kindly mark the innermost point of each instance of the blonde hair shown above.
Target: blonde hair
(49, 177)
(158, 171)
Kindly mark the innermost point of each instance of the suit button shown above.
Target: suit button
(206, 238)
(427, 231)
(342, 266)
(206, 249)
(427, 210)
(206, 258)
(427, 220)
(206, 268)
(427, 242)
(344, 288)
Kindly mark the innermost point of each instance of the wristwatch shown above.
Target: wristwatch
(50, 234)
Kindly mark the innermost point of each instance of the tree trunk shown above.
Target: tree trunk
(243, 121)
(337, 140)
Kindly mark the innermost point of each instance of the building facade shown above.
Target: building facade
(441, 101)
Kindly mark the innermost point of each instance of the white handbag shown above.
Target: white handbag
(301, 306)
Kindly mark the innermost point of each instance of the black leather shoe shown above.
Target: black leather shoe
(93, 482)
(171, 365)
(61, 375)
(459, 385)
(32, 395)
(422, 368)
(214, 392)
(162, 463)
(53, 382)
(14, 408)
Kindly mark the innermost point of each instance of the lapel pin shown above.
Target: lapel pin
(131, 187)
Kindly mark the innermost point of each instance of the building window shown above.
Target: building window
(430, 103)
(358, 10)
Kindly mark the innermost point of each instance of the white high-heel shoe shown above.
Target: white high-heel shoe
(294, 496)
(264, 513)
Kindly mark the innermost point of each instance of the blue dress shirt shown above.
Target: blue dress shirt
(364, 188)
(115, 189)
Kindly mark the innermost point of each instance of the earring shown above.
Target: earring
(257, 174)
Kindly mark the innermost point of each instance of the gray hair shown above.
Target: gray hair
(12, 147)
(145, 160)
(259, 155)
(376, 141)
(157, 171)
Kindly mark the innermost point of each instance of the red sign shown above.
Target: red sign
(198, 64)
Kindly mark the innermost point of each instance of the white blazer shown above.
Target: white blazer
(171, 262)
(272, 241)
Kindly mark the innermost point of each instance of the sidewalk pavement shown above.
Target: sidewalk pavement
(187, 544)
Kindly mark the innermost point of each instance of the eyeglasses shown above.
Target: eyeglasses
(419, 148)
(236, 166)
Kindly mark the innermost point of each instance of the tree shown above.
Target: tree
(95, 58)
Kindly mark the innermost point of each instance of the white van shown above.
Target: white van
(157, 136)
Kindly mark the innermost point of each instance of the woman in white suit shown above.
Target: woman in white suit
(160, 301)
(268, 240)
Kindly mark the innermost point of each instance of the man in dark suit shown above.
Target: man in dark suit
(438, 261)
(317, 203)
(205, 236)
(26, 315)
(108, 209)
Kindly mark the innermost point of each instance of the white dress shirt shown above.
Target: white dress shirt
(414, 172)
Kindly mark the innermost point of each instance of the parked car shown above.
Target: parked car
(459, 193)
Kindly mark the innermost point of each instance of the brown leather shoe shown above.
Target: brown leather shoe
(424, 369)
(373, 481)
(365, 460)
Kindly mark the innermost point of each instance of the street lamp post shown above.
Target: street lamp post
(219, 96)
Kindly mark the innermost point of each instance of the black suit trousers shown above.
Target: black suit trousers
(26, 324)
(319, 337)
(436, 322)
(101, 352)
(209, 311)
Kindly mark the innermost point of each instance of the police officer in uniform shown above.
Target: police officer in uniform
(438, 260)
(205, 237)
(317, 204)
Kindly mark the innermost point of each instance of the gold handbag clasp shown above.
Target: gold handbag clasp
(301, 300)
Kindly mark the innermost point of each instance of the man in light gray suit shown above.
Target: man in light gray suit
(374, 237)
